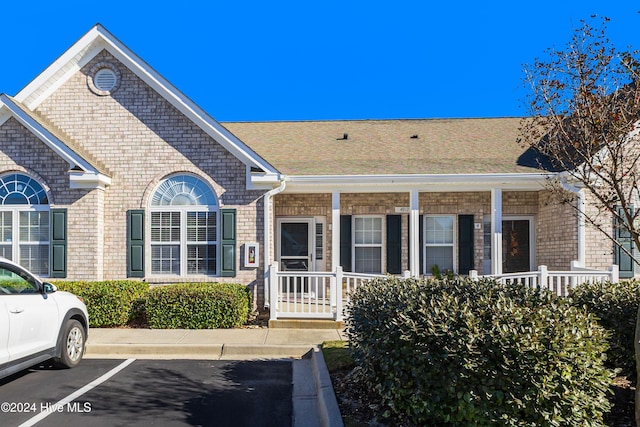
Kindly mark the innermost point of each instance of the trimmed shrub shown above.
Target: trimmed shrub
(465, 353)
(616, 307)
(109, 303)
(198, 306)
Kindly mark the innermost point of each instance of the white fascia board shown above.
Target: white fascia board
(67, 64)
(183, 103)
(425, 183)
(45, 136)
(98, 38)
(261, 181)
(88, 180)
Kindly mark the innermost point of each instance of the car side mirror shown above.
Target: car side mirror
(49, 288)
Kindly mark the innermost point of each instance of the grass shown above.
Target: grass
(337, 355)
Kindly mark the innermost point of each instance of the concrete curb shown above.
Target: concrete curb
(326, 397)
(200, 351)
(283, 350)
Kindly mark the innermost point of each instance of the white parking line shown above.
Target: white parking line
(73, 396)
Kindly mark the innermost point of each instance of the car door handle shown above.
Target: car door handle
(16, 310)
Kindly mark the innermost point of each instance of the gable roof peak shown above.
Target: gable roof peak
(97, 39)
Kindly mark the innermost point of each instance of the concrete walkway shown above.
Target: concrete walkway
(230, 344)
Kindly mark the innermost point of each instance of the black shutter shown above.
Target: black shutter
(135, 243)
(228, 243)
(58, 243)
(345, 242)
(465, 244)
(394, 244)
(622, 259)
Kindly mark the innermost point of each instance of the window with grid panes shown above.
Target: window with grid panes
(367, 245)
(24, 222)
(184, 222)
(439, 242)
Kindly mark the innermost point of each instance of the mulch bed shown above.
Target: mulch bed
(361, 407)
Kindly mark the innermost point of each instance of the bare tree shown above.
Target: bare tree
(584, 105)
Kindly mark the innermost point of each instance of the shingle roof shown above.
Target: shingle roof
(382, 147)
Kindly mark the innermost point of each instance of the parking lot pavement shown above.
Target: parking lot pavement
(152, 392)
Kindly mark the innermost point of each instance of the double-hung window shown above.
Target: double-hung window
(368, 243)
(24, 222)
(439, 242)
(184, 227)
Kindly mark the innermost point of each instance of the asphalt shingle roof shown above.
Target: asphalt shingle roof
(383, 147)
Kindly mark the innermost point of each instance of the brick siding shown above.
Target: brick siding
(555, 229)
(141, 139)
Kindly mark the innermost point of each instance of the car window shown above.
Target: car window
(13, 283)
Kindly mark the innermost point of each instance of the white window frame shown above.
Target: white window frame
(16, 209)
(16, 242)
(381, 245)
(453, 245)
(183, 242)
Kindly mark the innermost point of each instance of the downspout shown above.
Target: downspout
(581, 223)
(267, 236)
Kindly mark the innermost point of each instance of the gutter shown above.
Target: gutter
(581, 223)
(267, 234)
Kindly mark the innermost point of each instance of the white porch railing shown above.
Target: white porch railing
(558, 282)
(324, 294)
(312, 294)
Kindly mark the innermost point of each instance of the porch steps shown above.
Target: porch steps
(305, 324)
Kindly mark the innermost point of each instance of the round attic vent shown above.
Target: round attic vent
(103, 79)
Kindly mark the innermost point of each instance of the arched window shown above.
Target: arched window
(184, 227)
(24, 222)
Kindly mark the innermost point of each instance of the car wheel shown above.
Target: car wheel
(73, 340)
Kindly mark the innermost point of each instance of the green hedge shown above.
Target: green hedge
(198, 306)
(616, 306)
(464, 353)
(109, 303)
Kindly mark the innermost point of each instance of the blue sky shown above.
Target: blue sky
(307, 60)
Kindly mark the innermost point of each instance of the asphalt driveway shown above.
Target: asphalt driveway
(152, 392)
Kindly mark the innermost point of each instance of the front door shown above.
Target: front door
(516, 245)
(295, 244)
(518, 250)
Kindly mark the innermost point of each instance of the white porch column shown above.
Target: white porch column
(414, 238)
(496, 231)
(580, 206)
(582, 254)
(335, 230)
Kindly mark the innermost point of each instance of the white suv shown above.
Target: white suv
(37, 322)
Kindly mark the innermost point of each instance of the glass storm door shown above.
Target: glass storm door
(516, 246)
(295, 244)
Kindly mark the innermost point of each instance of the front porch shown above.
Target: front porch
(322, 295)
(324, 242)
